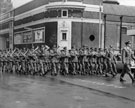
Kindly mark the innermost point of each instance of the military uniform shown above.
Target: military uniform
(111, 61)
(127, 58)
(65, 61)
(74, 60)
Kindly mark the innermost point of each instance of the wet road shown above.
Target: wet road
(38, 92)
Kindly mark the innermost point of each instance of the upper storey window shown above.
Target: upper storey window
(64, 13)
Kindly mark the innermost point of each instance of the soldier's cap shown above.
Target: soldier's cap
(84, 46)
(47, 47)
(128, 42)
(64, 47)
(99, 48)
(111, 46)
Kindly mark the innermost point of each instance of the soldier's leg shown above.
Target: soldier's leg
(86, 67)
(114, 68)
(90, 67)
(129, 72)
(100, 68)
(67, 68)
(54, 71)
(74, 68)
(133, 71)
(42, 67)
(109, 65)
(0, 67)
(77, 67)
(95, 68)
(81, 67)
(58, 68)
(105, 69)
(124, 71)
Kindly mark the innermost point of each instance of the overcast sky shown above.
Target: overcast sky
(17, 3)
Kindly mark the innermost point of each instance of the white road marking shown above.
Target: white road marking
(18, 102)
(103, 84)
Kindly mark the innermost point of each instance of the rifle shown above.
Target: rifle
(13, 52)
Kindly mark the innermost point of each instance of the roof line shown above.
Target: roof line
(119, 21)
(117, 15)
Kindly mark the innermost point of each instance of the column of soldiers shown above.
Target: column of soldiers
(43, 60)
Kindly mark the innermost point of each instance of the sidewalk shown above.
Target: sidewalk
(107, 86)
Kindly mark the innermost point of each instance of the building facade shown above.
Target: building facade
(64, 23)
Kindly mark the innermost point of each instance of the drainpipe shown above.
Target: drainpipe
(13, 29)
(82, 29)
(120, 41)
(105, 31)
(100, 22)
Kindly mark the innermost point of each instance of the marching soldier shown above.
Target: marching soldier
(127, 58)
(46, 59)
(54, 60)
(65, 61)
(74, 60)
(111, 61)
(81, 61)
(85, 59)
(90, 62)
(99, 61)
(94, 60)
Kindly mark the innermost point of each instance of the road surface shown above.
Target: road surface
(44, 92)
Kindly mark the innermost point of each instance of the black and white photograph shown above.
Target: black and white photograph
(67, 53)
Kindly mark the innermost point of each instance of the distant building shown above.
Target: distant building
(5, 6)
(67, 23)
(117, 20)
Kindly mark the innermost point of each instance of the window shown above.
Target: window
(124, 30)
(64, 36)
(92, 37)
(77, 13)
(64, 13)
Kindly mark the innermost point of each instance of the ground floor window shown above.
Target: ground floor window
(64, 36)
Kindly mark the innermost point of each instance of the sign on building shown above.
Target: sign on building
(39, 35)
(18, 38)
(131, 32)
(27, 37)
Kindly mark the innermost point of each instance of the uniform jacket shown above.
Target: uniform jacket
(127, 55)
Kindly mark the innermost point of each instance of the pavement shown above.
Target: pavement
(108, 86)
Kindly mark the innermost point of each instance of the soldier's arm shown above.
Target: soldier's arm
(107, 55)
(115, 59)
(133, 57)
(123, 56)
